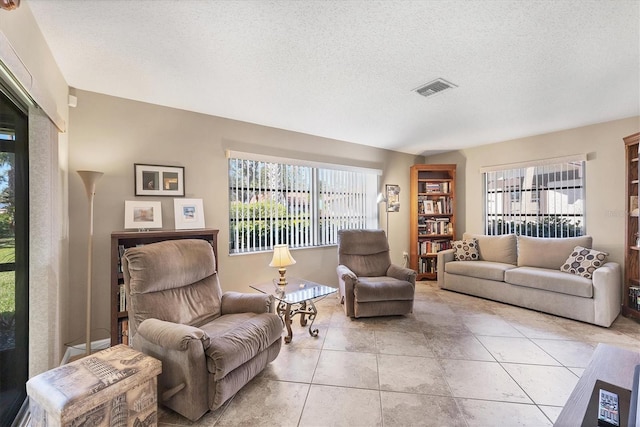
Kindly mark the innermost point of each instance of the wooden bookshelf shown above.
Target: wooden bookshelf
(122, 240)
(631, 300)
(432, 219)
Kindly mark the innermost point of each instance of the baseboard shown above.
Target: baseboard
(80, 349)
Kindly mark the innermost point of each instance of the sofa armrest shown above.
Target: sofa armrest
(402, 273)
(346, 282)
(607, 287)
(237, 302)
(443, 258)
(171, 336)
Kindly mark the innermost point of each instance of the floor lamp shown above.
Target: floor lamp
(89, 178)
(383, 199)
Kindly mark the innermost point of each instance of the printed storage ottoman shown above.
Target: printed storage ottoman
(114, 387)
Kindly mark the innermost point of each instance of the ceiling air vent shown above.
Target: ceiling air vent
(434, 87)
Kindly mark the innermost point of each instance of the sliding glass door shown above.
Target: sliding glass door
(14, 310)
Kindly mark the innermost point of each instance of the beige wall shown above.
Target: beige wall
(605, 184)
(48, 227)
(110, 134)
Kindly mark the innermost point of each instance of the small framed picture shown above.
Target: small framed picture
(393, 197)
(142, 215)
(188, 213)
(156, 180)
(428, 207)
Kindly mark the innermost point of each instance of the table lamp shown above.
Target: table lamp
(281, 259)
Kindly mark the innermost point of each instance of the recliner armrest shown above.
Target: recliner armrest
(173, 336)
(238, 302)
(402, 273)
(343, 271)
(346, 281)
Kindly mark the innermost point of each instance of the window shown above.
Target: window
(540, 199)
(302, 204)
(14, 263)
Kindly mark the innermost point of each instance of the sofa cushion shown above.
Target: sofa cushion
(478, 269)
(550, 280)
(465, 250)
(383, 288)
(502, 248)
(546, 252)
(584, 262)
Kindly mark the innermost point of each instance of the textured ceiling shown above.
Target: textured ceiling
(346, 69)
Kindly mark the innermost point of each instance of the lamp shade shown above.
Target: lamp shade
(381, 198)
(281, 257)
(89, 178)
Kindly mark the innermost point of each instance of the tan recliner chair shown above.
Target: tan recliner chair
(369, 284)
(211, 344)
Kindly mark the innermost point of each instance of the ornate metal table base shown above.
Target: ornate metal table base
(296, 298)
(286, 311)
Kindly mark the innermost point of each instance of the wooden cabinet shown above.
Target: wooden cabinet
(631, 287)
(433, 219)
(122, 240)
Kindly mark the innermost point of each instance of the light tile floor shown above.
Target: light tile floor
(457, 360)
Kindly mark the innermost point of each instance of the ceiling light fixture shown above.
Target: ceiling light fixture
(434, 87)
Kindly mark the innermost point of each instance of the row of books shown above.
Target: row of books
(435, 226)
(434, 187)
(428, 265)
(433, 246)
(441, 205)
(123, 331)
(634, 297)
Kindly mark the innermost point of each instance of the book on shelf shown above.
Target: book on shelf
(121, 249)
(428, 265)
(435, 187)
(634, 297)
(443, 205)
(123, 331)
(122, 303)
(435, 226)
(436, 206)
(433, 246)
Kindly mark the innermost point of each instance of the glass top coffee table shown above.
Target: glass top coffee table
(296, 298)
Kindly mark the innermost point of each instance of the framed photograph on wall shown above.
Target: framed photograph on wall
(393, 197)
(157, 180)
(142, 215)
(188, 213)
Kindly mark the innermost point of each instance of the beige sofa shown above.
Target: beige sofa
(525, 271)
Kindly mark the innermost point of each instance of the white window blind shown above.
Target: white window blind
(298, 203)
(544, 198)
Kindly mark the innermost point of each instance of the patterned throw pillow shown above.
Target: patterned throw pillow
(466, 250)
(583, 262)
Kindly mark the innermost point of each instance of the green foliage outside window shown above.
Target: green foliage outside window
(548, 227)
(264, 222)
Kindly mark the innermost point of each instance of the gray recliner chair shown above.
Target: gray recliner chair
(369, 284)
(211, 344)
